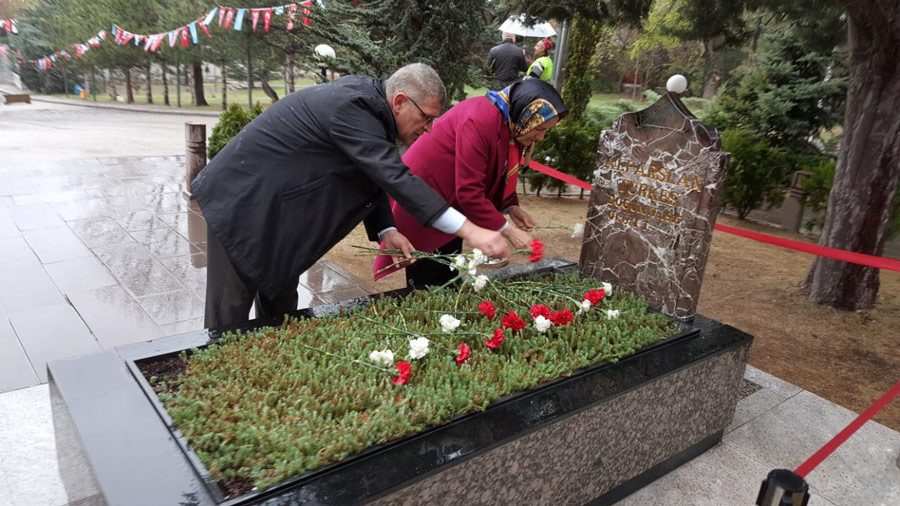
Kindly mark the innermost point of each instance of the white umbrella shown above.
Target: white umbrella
(515, 25)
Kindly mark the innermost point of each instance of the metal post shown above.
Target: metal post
(195, 153)
(558, 72)
(783, 488)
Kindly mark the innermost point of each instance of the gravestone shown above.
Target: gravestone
(656, 193)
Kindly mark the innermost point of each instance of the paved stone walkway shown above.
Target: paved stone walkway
(103, 252)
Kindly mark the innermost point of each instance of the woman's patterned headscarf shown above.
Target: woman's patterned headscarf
(526, 104)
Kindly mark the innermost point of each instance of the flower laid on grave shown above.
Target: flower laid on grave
(513, 322)
(542, 324)
(463, 353)
(537, 250)
(404, 372)
(496, 340)
(315, 391)
(418, 347)
(488, 309)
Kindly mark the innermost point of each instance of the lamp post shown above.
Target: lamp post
(327, 52)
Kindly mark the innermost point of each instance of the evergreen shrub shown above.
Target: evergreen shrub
(757, 171)
(231, 121)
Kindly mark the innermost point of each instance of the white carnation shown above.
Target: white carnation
(613, 313)
(418, 347)
(459, 262)
(480, 282)
(607, 288)
(449, 323)
(585, 306)
(578, 230)
(542, 324)
(478, 257)
(383, 357)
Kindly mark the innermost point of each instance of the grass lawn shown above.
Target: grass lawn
(213, 93)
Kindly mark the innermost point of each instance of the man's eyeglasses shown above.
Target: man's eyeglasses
(428, 119)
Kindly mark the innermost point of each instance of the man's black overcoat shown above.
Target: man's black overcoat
(302, 175)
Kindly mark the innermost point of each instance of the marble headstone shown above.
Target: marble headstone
(656, 193)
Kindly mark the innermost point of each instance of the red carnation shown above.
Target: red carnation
(404, 371)
(595, 296)
(537, 250)
(495, 341)
(561, 318)
(513, 322)
(487, 309)
(540, 310)
(464, 351)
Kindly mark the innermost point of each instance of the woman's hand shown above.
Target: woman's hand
(519, 238)
(522, 219)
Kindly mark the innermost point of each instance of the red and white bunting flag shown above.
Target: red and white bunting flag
(267, 19)
(204, 28)
(229, 17)
(185, 40)
(307, 10)
(292, 12)
(157, 41)
(254, 18)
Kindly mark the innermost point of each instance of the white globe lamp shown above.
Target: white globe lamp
(677, 84)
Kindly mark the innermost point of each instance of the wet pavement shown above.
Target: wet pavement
(100, 251)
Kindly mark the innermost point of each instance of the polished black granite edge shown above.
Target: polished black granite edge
(511, 417)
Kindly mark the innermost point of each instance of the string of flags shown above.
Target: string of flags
(8, 26)
(227, 18)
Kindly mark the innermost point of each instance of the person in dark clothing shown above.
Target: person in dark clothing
(304, 173)
(506, 60)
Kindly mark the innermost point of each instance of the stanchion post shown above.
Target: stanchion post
(195, 150)
(783, 488)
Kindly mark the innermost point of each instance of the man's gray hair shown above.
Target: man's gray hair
(510, 36)
(417, 80)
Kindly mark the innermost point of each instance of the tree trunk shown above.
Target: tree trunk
(129, 90)
(199, 95)
(149, 84)
(165, 79)
(711, 78)
(291, 81)
(110, 77)
(859, 206)
(224, 88)
(268, 90)
(188, 83)
(287, 61)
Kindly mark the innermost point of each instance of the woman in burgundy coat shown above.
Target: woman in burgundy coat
(472, 157)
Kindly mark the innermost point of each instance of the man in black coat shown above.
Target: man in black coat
(506, 60)
(306, 172)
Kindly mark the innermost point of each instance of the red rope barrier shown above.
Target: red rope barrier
(814, 249)
(832, 445)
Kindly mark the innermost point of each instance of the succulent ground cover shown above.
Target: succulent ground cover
(266, 405)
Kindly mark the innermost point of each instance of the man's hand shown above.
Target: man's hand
(396, 240)
(518, 238)
(490, 242)
(522, 219)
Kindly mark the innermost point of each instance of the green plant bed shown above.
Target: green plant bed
(263, 406)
